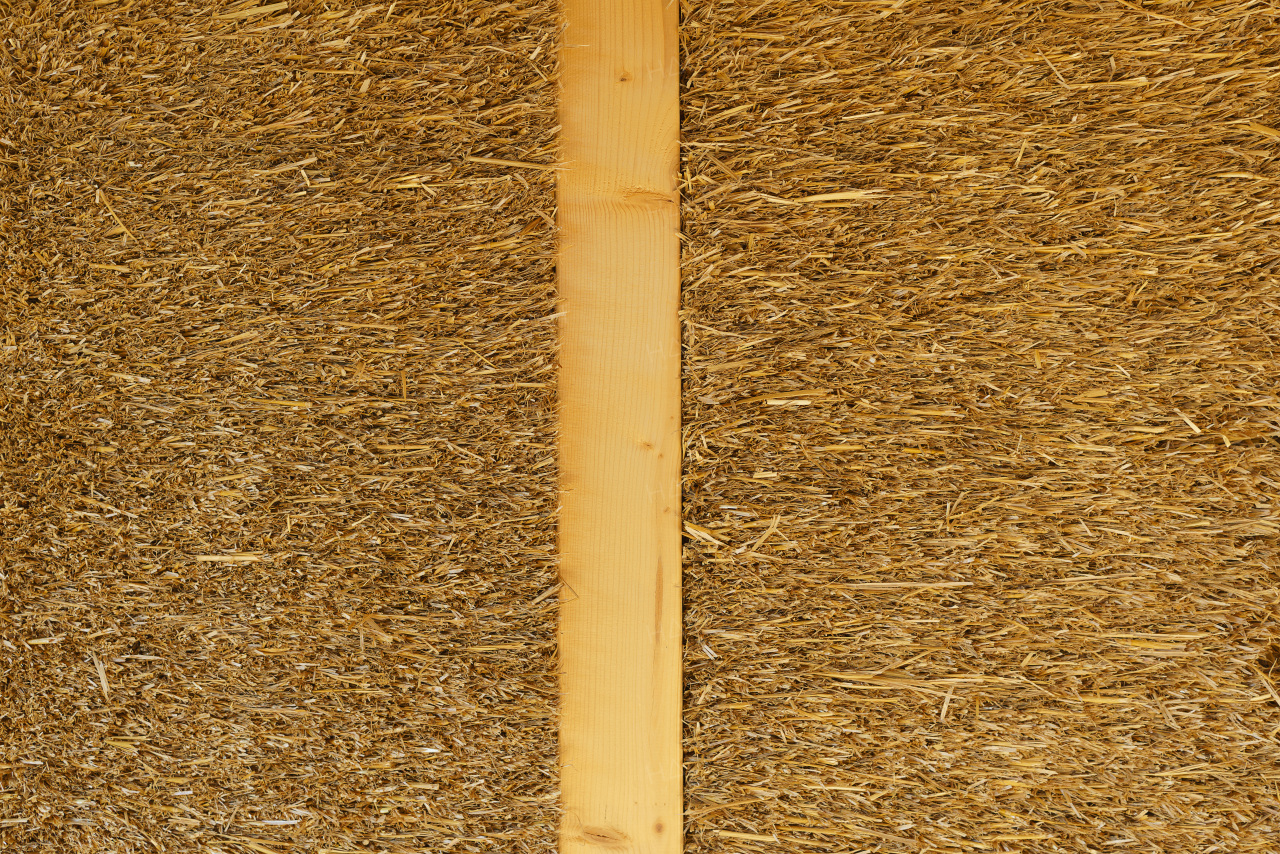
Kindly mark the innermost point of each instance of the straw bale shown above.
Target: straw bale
(982, 321)
(277, 486)
(982, 467)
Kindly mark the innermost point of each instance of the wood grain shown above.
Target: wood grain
(619, 279)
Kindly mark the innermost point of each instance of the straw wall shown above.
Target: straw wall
(275, 428)
(982, 319)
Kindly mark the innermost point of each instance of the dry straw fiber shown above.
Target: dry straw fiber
(981, 317)
(982, 327)
(276, 410)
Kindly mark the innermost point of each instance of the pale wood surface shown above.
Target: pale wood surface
(620, 623)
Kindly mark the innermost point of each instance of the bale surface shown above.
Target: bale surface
(276, 410)
(982, 322)
(982, 316)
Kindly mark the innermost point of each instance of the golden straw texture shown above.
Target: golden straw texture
(982, 322)
(276, 427)
(981, 318)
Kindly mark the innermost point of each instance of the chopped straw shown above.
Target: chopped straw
(277, 485)
(983, 325)
(982, 427)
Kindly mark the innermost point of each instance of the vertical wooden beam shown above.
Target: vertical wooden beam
(619, 279)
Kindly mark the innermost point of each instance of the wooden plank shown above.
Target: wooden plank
(619, 279)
